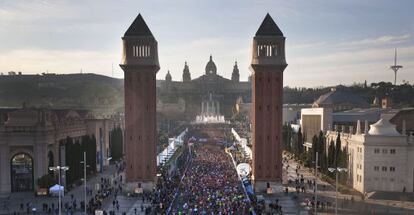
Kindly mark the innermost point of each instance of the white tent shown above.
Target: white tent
(54, 190)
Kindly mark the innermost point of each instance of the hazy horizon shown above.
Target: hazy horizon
(328, 43)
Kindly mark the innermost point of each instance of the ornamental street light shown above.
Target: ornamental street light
(336, 170)
(59, 169)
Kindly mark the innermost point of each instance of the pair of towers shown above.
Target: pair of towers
(140, 64)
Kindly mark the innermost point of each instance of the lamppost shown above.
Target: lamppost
(84, 177)
(316, 183)
(59, 169)
(336, 170)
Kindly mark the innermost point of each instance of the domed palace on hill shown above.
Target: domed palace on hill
(184, 99)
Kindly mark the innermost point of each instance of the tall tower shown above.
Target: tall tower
(395, 67)
(140, 65)
(186, 73)
(235, 76)
(168, 77)
(268, 64)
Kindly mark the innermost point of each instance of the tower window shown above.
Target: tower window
(141, 51)
(266, 50)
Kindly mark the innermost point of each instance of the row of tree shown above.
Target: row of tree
(74, 155)
(116, 143)
(399, 94)
(331, 155)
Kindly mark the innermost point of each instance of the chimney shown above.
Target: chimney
(358, 128)
(366, 127)
(404, 130)
(336, 127)
(351, 129)
(343, 128)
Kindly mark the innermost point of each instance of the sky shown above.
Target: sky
(328, 42)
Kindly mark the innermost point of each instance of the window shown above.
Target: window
(141, 51)
(376, 151)
(392, 169)
(384, 168)
(384, 151)
(376, 168)
(266, 50)
(392, 151)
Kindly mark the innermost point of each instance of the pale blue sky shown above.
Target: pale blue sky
(328, 42)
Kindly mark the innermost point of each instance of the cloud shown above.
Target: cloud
(348, 66)
(378, 41)
(31, 61)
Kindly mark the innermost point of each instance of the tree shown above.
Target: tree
(338, 149)
(116, 143)
(322, 150)
(314, 147)
(300, 142)
(46, 181)
(331, 154)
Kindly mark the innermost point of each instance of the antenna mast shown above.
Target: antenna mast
(395, 67)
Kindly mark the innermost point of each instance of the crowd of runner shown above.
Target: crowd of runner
(211, 185)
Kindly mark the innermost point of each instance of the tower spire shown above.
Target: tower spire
(269, 28)
(186, 73)
(138, 28)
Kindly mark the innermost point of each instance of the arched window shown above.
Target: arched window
(21, 172)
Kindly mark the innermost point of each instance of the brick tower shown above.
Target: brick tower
(268, 64)
(140, 65)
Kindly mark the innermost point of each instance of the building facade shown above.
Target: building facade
(379, 158)
(31, 142)
(184, 99)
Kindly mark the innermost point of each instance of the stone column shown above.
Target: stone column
(208, 107)
(202, 107)
(213, 111)
(5, 170)
(39, 161)
(218, 108)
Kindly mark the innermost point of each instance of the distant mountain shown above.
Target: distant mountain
(106, 94)
(89, 91)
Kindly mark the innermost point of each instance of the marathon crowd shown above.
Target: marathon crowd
(211, 185)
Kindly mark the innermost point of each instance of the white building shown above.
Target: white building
(380, 159)
(314, 120)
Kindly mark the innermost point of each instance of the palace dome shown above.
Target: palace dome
(383, 128)
(211, 67)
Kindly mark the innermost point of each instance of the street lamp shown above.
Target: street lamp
(59, 169)
(84, 176)
(336, 170)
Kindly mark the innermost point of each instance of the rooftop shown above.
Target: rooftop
(138, 28)
(269, 28)
(383, 128)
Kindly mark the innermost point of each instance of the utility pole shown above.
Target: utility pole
(59, 170)
(84, 176)
(316, 184)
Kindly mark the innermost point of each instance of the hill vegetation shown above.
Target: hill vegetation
(89, 91)
(102, 93)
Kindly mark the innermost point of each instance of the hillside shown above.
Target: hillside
(102, 93)
(88, 91)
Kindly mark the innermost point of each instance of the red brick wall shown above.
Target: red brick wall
(267, 124)
(140, 125)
